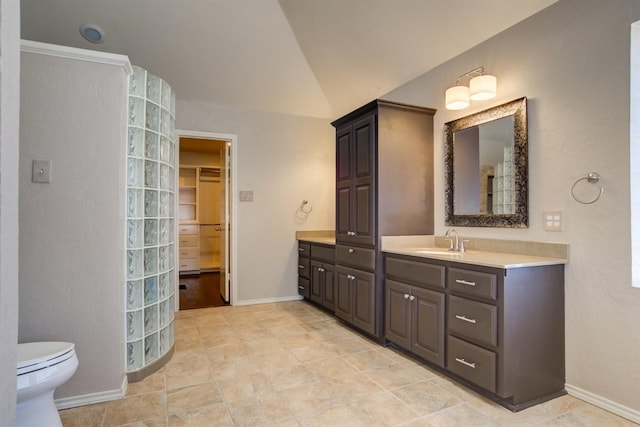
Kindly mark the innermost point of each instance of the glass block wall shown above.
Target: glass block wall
(150, 220)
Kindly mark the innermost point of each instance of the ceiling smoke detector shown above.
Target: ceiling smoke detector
(92, 33)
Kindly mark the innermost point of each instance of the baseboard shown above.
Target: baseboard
(269, 300)
(92, 398)
(604, 403)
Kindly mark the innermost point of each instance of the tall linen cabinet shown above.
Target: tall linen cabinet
(384, 186)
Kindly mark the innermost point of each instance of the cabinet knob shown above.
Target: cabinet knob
(411, 298)
(302, 288)
(321, 270)
(350, 277)
(351, 233)
(406, 296)
(351, 251)
(301, 267)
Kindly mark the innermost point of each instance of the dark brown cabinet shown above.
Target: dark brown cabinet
(415, 308)
(504, 329)
(384, 186)
(322, 284)
(355, 298)
(355, 181)
(316, 265)
(304, 269)
(415, 320)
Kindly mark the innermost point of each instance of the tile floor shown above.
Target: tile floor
(290, 364)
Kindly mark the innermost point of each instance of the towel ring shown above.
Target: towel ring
(592, 178)
(302, 207)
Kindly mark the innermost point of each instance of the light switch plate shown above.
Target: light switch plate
(246, 196)
(41, 171)
(552, 220)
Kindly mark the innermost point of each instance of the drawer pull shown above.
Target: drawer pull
(464, 362)
(321, 270)
(350, 277)
(464, 282)
(351, 233)
(301, 267)
(300, 249)
(302, 288)
(465, 318)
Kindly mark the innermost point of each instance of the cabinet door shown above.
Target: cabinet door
(364, 300)
(363, 181)
(343, 183)
(355, 181)
(328, 297)
(344, 296)
(398, 313)
(315, 293)
(427, 314)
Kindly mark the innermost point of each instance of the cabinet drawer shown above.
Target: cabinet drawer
(189, 264)
(473, 363)
(356, 257)
(188, 252)
(323, 253)
(473, 319)
(188, 229)
(304, 249)
(473, 283)
(413, 272)
(188, 240)
(304, 287)
(304, 267)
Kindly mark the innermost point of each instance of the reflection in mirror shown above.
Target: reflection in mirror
(486, 168)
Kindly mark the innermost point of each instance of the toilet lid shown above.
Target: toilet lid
(32, 354)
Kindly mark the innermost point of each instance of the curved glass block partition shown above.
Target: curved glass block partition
(150, 220)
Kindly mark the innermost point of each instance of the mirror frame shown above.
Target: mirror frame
(519, 219)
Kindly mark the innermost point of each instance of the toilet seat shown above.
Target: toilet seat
(35, 356)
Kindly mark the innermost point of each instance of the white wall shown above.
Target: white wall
(572, 62)
(283, 159)
(72, 230)
(9, 128)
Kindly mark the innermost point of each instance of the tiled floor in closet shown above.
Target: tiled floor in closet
(290, 364)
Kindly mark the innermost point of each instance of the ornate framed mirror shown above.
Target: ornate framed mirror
(486, 168)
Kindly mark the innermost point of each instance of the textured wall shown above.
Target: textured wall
(283, 159)
(72, 230)
(9, 127)
(572, 62)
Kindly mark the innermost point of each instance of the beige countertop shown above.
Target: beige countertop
(485, 252)
(326, 237)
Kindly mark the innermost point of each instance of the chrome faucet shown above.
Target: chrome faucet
(452, 246)
(456, 245)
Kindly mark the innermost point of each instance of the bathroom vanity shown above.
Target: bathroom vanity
(493, 321)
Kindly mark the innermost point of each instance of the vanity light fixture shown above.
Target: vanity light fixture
(481, 87)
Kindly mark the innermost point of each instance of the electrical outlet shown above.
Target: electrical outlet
(246, 196)
(552, 220)
(41, 171)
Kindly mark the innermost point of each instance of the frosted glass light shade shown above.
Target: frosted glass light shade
(482, 87)
(457, 98)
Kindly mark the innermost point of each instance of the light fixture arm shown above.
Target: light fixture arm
(473, 73)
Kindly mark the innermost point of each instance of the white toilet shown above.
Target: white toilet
(42, 366)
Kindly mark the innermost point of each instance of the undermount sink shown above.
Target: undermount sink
(438, 251)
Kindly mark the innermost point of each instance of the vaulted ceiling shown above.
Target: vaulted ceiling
(319, 58)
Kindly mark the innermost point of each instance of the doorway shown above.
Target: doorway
(204, 207)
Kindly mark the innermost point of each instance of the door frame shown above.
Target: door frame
(232, 139)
